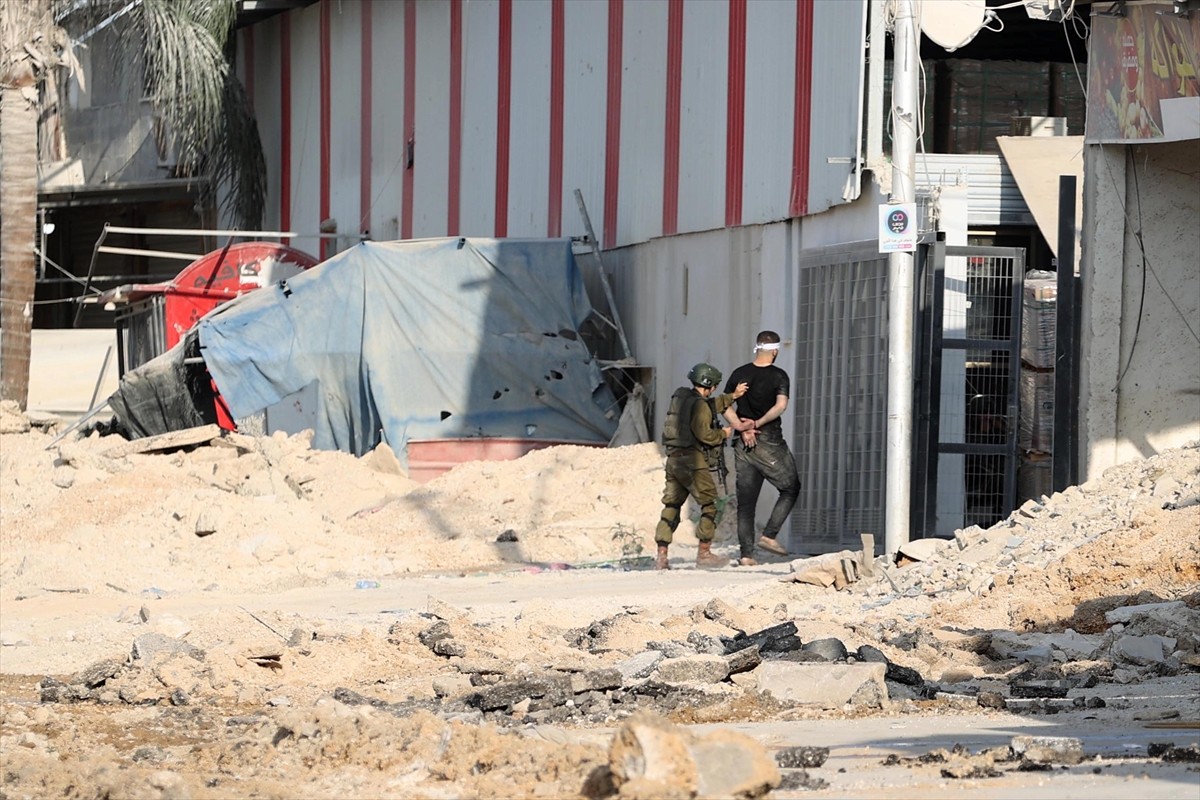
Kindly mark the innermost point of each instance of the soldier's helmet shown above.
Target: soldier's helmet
(705, 375)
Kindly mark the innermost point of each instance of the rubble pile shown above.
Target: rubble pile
(1069, 607)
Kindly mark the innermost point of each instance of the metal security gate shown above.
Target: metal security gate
(965, 459)
(839, 393)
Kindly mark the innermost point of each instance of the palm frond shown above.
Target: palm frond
(183, 47)
(237, 164)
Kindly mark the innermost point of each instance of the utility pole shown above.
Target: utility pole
(905, 72)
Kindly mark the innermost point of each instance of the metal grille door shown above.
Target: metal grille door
(840, 398)
(968, 403)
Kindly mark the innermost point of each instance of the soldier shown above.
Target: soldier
(693, 438)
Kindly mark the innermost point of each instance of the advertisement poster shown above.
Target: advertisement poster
(1143, 74)
(897, 228)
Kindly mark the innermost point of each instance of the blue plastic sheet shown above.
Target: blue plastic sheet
(426, 339)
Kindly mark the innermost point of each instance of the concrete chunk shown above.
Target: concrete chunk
(649, 749)
(1142, 650)
(1125, 614)
(150, 646)
(743, 660)
(731, 764)
(552, 688)
(693, 669)
(964, 702)
(639, 666)
(823, 685)
(596, 680)
(651, 757)
(1048, 749)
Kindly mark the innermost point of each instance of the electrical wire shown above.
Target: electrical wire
(1137, 234)
(22, 303)
(37, 251)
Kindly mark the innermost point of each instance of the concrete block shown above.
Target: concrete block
(650, 750)
(743, 660)
(963, 702)
(986, 549)
(651, 757)
(1142, 650)
(98, 673)
(823, 685)
(639, 666)
(1048, 749)
(1125, 614)
(731, 764)
(596, 680)
(150, 646)
(451, 685)
(693, 669)
(552, 689)
(720, 611)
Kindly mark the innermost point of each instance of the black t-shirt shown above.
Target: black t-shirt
(765, 384)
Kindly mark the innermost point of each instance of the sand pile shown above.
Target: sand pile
(200, 696)
(274, 514)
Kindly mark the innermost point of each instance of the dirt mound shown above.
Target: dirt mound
(197, 618)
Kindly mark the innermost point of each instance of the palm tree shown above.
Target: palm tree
(185, 49)
(30, 45)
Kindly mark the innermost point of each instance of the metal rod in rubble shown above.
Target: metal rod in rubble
(612, 305)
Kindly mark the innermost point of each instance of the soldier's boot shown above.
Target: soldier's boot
(660, 561)
(707, 559)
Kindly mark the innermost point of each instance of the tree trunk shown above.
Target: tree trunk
(18, 217)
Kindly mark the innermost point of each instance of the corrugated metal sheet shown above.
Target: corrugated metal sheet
(432, 150)
(529, 148)
(643, 121)
(770, 96)
(702, 116)
(838, 71)
(584, 81)
(306, 127)
(770, 110)
(477, 203)
(345, 121)
(992, 193)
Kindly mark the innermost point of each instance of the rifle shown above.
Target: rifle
(722, 469)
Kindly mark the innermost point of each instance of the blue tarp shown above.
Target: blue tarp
(426, 339)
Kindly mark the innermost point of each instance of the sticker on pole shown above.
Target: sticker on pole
(898, 227)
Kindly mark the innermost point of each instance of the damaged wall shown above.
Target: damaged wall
(1140, 358)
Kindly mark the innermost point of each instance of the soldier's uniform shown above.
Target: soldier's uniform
(693, 441)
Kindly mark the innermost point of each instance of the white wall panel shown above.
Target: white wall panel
(306, 127)
(267, 68)
(704, 96)
(346, 119)
(431, 162)
(529, 137)
(387, 119)
(477, 204)
(839, 66)
(643, 121)
(836, 87)
(585, 84)
(770, 110)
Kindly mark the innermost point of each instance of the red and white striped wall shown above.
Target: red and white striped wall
(418, 118)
